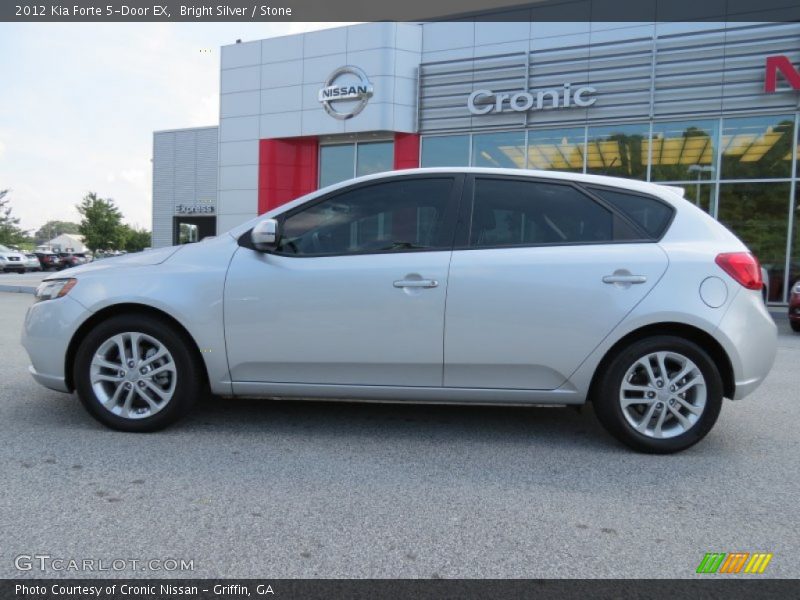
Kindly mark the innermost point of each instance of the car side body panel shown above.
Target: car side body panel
(188, 287)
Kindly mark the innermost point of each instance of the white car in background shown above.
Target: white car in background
(32, 262)
(11, 260)
(471, 286)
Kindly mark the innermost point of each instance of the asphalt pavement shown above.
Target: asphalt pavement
(310, 489)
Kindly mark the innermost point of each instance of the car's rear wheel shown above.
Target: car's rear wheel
(661, 394)
(795, 325)
(136, 373)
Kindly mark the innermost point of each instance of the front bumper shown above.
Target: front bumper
(49, 327)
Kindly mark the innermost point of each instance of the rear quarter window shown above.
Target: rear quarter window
(652, 215)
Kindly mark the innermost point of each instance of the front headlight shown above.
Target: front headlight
(796, 288)
(55, 288)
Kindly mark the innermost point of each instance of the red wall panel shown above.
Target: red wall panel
(406, 150)
(287, 169)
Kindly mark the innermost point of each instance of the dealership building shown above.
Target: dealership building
(708, 106)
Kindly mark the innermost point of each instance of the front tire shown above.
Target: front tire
(795, 325)
(659, 395)
(136, 373)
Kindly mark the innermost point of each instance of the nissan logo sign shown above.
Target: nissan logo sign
(347, 91)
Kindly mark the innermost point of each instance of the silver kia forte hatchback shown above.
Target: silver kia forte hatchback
(470, 286)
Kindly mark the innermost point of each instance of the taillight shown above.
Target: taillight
(743, 267)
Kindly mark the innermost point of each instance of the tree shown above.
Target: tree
(101, 225)
(135, 239)
(10, 233)
(53, 229)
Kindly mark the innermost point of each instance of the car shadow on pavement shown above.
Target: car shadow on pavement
(397, 421)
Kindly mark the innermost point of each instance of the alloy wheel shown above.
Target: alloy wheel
(133, 375)
(663, 394)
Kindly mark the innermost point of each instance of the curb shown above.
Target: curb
(19, 289)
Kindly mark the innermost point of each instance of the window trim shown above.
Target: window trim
(465, 214)
(452, 206)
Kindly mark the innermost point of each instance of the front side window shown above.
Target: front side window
(403, 215)
(507, 212)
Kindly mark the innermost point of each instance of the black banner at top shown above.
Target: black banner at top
(407, 10)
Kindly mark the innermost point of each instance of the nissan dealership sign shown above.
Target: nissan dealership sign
(346, 92)
(482, 102)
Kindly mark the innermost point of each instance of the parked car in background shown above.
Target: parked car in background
(48, 260)
(345, 292)
(71, 259)
(32, 262)
(11, 260)
(794, 307)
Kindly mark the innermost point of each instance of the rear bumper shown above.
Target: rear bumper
(750, 338)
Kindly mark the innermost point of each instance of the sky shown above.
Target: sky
(79, 103)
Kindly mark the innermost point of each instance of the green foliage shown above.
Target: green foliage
(53, 229)
(135, 239)
(103, 229)
(101, 225)
(10, 233)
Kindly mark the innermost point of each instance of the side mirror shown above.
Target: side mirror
(265, 235)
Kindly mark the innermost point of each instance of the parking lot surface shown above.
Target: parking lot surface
(309, 489)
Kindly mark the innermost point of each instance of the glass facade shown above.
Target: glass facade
(618, 150)
(742, 170)
(558, 149)
(338, 162)
(445, 151)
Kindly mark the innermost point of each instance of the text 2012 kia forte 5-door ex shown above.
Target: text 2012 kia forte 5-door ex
(430, 285)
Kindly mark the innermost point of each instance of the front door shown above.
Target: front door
(353, 295)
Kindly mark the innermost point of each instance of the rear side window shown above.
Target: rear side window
(650, 214)
(508, 212)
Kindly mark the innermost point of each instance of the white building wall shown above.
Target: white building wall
(269, 90)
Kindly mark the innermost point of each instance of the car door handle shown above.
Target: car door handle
(416, 283)
(624, 279)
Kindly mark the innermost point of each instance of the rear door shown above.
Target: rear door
(541, 273)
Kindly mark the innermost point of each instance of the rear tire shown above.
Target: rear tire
(137, 373)
(659, 395)
(795, 325)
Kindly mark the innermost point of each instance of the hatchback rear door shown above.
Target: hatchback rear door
(542, 271)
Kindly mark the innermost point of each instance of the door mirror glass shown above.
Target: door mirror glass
(265, 235)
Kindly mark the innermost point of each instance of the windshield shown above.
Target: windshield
(4, 248)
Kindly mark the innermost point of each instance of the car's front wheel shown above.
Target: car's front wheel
(661, 394)
(136, 373)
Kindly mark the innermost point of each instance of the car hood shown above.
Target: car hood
(139, 259)
(9, 254)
